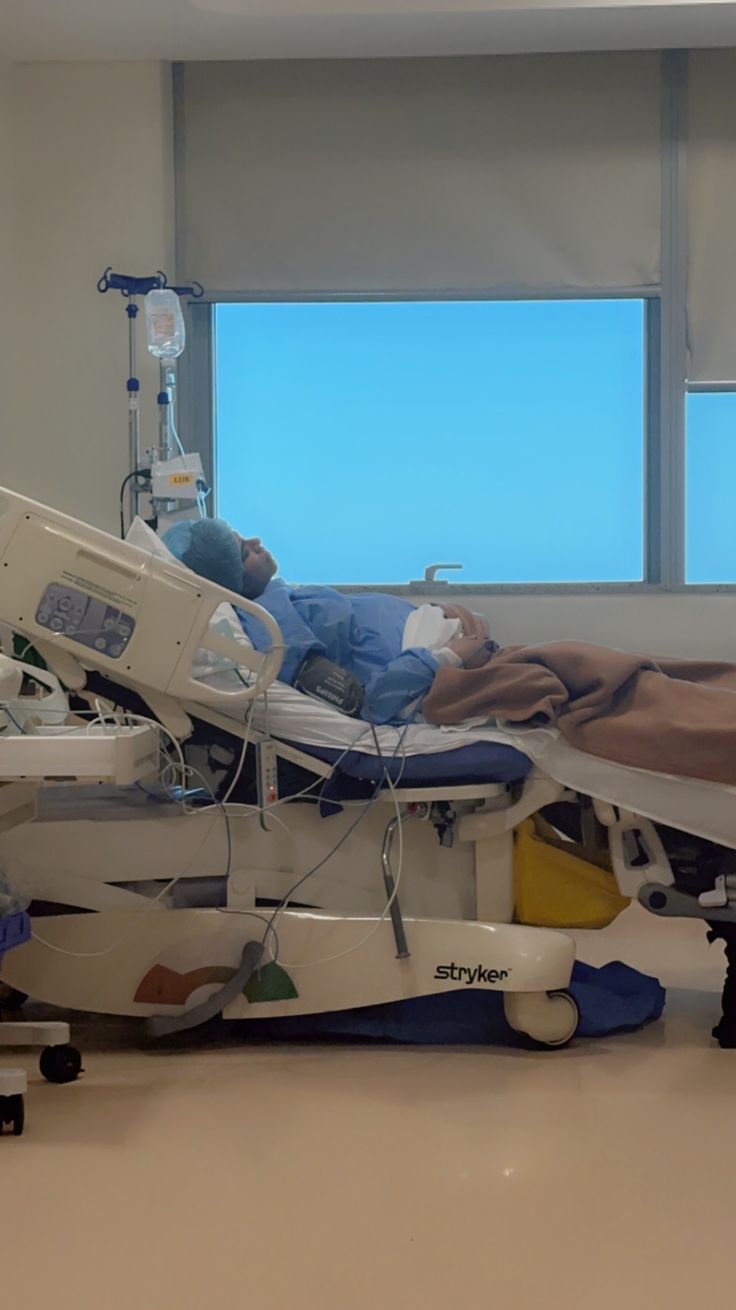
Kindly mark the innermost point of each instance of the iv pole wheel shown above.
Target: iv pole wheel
(60, 1064)
(13, 1085)
(10, 998)
(12, 1114)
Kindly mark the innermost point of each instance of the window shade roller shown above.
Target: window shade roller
(420, 175)
(711, 182)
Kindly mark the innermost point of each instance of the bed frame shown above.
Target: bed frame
(88, 602)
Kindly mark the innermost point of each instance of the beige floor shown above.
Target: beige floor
(221, 1175)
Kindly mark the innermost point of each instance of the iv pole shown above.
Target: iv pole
(131, 288)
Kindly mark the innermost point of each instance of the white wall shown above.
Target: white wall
(92, 174)
(6, 252)
(85, 181)
(691, 626)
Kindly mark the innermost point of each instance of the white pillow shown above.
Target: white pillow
(207, 665)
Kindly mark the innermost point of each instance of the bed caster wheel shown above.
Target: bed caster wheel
(725, 1034)
(12, 1114)
(548, 1018)
(10, 999)
(60, 1064)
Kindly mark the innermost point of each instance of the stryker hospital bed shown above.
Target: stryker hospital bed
(387, 875)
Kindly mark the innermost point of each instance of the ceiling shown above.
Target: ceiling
(252, 29)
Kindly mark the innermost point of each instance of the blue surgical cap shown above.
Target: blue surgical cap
(208, 547)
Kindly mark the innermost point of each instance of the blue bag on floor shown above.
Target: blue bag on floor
(613, 999)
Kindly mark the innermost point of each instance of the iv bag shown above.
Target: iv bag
(165, 335)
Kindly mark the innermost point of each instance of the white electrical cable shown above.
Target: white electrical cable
(253, 811)
(330, 959)
(173, 431)
(102, 715)
(96, 955)
(311, 872)
(241, 762)
(145, 909)
(319, 782)
(150, 905)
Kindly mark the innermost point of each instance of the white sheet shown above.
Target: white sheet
(294, 717)
(708, 809)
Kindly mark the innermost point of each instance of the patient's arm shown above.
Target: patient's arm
(471, 652)
(392, 691)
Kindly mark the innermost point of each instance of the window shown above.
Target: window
(711, 479)
(364, 441)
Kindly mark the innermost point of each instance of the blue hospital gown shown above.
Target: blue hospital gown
(362, 633)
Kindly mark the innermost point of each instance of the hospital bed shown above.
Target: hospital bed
(96, 607)
(393, 877)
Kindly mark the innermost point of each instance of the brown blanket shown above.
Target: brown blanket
(673, 716)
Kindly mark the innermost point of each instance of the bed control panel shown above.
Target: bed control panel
(268, 773)
(67, 612)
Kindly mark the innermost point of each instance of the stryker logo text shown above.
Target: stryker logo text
(470, 976)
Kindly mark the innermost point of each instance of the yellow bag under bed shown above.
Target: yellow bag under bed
(560, 884)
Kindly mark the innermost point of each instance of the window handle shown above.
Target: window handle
(431, 571)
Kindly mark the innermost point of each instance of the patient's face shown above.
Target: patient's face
(259, 566)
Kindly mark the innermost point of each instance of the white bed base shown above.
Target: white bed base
(82, 862)
(78, 863)
(173, 960)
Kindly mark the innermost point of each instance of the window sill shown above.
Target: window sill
(439, 590)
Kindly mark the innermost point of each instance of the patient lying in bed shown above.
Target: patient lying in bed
(373, 655)
(380, 658)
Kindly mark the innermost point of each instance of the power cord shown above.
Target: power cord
(136, 473)
(385, 777)
(185, 771)
(151, 904)
(340, 955)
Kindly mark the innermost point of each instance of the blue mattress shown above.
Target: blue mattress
(484, 762)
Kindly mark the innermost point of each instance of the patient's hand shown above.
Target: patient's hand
(473, 651)
(470, 624)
